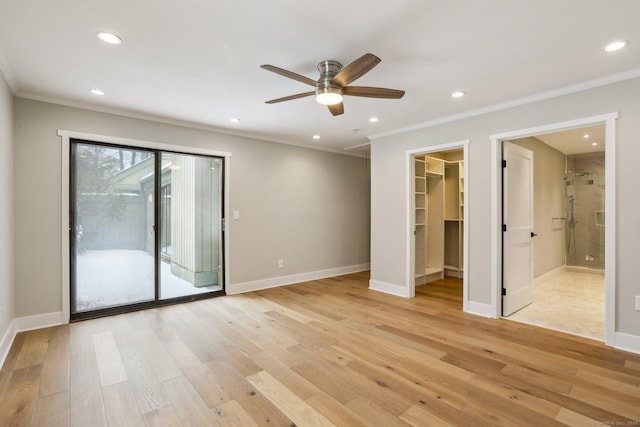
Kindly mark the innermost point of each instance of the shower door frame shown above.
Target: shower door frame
(609, 121)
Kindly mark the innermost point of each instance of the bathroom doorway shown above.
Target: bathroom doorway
(569, 220)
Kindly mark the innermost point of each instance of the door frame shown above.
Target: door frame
(410, 283)
(609, 121)
(66, 137)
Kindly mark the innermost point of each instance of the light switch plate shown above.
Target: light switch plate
(638, 302)
(236, 215)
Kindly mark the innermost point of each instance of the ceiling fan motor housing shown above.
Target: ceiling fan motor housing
(328, 70)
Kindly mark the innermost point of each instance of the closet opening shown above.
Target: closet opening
(437, 219)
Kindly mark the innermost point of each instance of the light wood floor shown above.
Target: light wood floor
(326, 352)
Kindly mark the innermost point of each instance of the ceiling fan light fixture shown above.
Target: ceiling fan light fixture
(329, 95)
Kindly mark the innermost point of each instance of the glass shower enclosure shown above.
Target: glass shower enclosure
(585, 214)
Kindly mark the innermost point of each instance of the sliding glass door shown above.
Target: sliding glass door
(190, 218)
(145, 228)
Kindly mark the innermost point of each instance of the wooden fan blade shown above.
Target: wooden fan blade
(373, 92)
(289, 74)
(290, 97)
(336, 109)
(356, 69)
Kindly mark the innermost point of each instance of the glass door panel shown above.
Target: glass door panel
(190, 225)
(112, 218)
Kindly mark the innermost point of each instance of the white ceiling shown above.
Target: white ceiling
(576, 141)
(197, 62)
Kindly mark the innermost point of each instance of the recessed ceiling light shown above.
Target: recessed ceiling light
(458, 94)
(316, 136)
(97, 92)
(594, 143)
(586, 136)
(617, 45)
(373, 119)
(234, 120)
(109, 37)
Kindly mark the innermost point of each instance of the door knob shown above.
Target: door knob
(533, 234)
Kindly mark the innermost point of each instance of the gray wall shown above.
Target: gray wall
(548, 202)
(308, 207)
(388, 187)
(6, 208)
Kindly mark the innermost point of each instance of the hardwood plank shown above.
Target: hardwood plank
(144, 383)
(120, 405)
(231, 414)
(331, 348)
(159, 359)
(259, 408)
(56, 369)
(33, 349)
(190, 408)
(286, 401)
(52, 410)
(110, 364)
(417, 417)
(334, 411)
(295, 382)
(373, 414)
(18, 404)
(86, 408)
(163, 417)
(202, 379)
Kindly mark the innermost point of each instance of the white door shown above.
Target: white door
(517, 265)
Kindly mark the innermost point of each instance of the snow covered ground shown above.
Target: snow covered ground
(116, 277)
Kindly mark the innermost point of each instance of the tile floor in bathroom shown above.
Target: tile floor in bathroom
(571, 302)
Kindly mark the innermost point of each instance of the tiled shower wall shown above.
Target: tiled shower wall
(585, 181)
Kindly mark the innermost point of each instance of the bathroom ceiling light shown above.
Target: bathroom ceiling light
(109, 37)
(97, 92)
(458, 94)
(316, 136)
(617, 45)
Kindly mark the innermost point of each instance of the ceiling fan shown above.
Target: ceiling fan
(333, 83)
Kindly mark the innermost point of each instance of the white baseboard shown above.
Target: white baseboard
(274, 282)
(7, 340)
(549, 275)
(38, 321)
(390, 288)
(480, 309)
(627, 342)
(23, 324)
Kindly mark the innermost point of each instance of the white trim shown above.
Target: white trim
(627, 342)
(410, 217)
(549, 275)
(590, 84)
(66, 135)
(177, 122)
(7, 341)
(609, 120)
(141, 143)
(390, 288)
(610, 230)
(38, 321)
(274, 282)
(479, 309)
